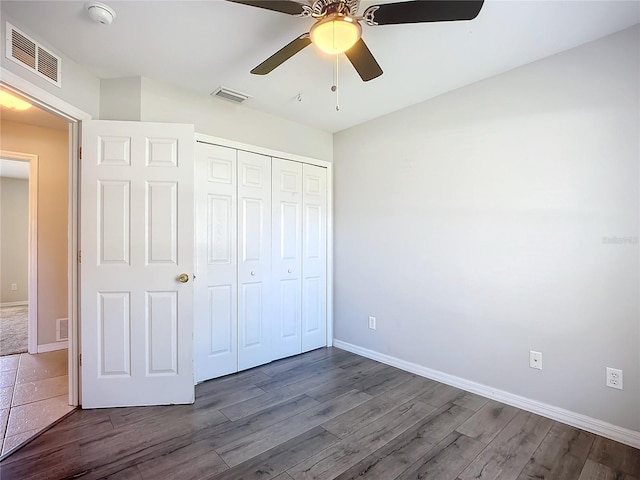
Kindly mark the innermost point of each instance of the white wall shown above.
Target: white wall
(120, 98)
(476, 226)
(14, 239)
(80, 88)
(212, 116)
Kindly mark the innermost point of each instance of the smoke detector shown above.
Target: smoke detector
(100, 13)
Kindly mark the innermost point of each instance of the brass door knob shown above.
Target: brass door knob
(183, 278)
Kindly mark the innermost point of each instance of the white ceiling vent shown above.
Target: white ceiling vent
(30, 54)
(230, 95)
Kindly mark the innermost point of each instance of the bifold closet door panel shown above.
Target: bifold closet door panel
(254, 260)
(286, 258)
(314, 257)
(216, 326)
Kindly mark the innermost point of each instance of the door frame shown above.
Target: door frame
(74, 116)
(32, 276)
(203, 138)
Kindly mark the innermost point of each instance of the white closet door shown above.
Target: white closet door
(314, 258)
(254, 260)
(287, 257)
(216, 311)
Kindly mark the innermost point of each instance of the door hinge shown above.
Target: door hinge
(80, 153)
(80, 359)
(79, 256)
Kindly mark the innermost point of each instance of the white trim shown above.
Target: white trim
(57, 106)
(72, 265)
(593, 425)
(329, 167)
(203, 138)
(32, 328)
(51, 347)
(41, 97)
(13, 304)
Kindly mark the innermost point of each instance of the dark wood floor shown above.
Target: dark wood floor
(323, 415)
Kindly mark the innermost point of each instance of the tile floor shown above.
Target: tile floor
(33, 395)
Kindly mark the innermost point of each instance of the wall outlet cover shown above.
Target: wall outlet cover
(535, 359)
(614, 378)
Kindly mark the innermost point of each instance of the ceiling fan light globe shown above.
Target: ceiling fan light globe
(335, 33)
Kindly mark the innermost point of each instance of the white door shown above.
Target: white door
(314, 258)
(286, 257)
(136, 240)
(216, 311)
(254, 260)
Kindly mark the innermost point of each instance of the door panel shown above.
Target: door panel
(314, 261)
(286, 234)
(216, 340)
(254, 265)
(136, 239)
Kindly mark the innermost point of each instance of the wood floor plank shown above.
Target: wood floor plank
(619, 457)
(80, 425)
(283, 476)
(324, 388)
(370, 411)
(253, 405)
(301, 373)
(393, 458)
(505, 457)
(60, 463)
(194, 462)
(562, 454)
(330, 384)
(446, 460)
(225, 397)
(286, 364)
(487, 422)
(385, 380)
(596, 471)
(333, 461)
(131, 473)
(258, 422)
(274, 462)
(254, 444)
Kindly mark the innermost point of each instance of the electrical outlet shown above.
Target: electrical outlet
(535, 359)
(14, 286)
(614, 378)
(372, 323)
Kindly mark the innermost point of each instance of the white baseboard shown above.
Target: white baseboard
(593, 425)
(50, 347)
(13, 304)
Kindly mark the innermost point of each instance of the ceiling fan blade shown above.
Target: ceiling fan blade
(362, 60)
(282, 55)
(282, 6)
(421, 11)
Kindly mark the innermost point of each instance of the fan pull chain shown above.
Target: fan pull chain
(334, 87)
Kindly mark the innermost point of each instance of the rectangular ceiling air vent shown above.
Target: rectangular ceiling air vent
(30, 54)
(230, 95)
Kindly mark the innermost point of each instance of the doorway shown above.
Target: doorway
(34, 378)
(19, 251)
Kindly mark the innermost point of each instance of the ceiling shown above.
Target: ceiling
(14, 169)
(200, 45)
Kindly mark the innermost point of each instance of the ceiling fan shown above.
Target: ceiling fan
(338, 30)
